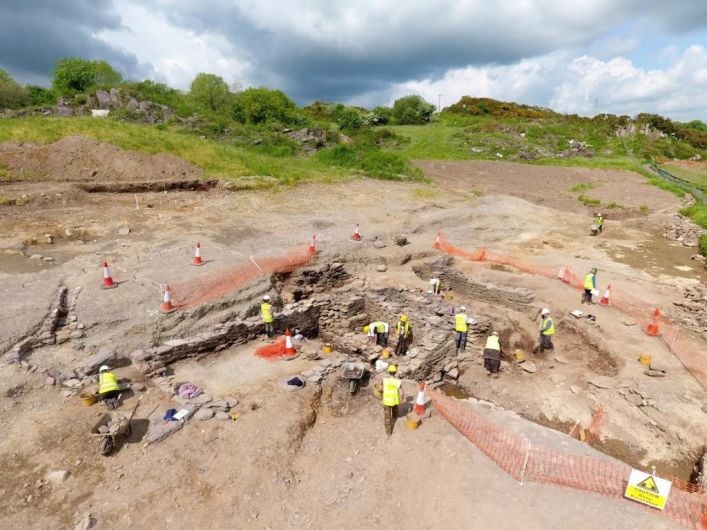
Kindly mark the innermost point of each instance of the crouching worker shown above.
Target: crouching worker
(392, 397)
(108, 387)
(492, 354)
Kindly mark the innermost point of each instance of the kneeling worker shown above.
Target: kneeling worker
(392, 397)
(108, 387)
(492, 354)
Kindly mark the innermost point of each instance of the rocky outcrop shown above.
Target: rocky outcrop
(682, 230)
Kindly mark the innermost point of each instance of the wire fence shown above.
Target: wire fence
(697, 191)
(533, 462)
(645, 314)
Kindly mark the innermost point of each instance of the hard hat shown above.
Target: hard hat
(391, 369)
(403, 318)
(545, 311)
(462, 308)
(266, 297)
(494, 333)
(600, 214)
(103, 368)
(366, 329)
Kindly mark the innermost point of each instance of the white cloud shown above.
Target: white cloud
(176, 54)
(583, 85)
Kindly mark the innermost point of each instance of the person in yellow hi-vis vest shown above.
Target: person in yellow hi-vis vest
(492, 354)
(461, 327)
(108, 387)
(403, 331)
(267, 316)
(590, 283)
(547, 330)
(392, 397)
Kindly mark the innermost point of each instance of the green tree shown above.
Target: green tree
(41, 96)
(74, 75)
(348, 118)
(380, 116)
(261, 105)
(12, 94)
(210, 91)
(412, 110)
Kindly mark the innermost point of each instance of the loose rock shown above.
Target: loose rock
(529, 366)
(58, 477)
(204, 414)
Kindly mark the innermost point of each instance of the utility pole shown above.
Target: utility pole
(439, 102)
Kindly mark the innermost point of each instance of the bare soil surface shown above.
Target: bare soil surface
(307, 458)
(76, 158)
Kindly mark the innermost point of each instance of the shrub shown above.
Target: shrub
(260, 105)
(210, 92)
(348, 118)
(412, 110)
(379, 116)
(12, 95)
(41, 96)
(74, 75)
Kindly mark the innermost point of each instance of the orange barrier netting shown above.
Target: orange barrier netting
(526, 461)
(200, 290)
(273, 351)
(694, 360)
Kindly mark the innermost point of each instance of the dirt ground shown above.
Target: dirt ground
(306, 458)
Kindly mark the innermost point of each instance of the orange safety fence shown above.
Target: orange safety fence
(526, 461)
(650, 320)
(274, 351)
(197, 291)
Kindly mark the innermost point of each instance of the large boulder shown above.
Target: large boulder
(103, 98)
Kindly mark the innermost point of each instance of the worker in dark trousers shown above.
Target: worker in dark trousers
(492, 355)
(590, 283)
(461, 327)
(547, 330)
(403, 331)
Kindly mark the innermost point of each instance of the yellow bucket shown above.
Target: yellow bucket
(327, 347)
(645, 360)
(413, 421)
(386, 354)
(519, 355)
(89, 399)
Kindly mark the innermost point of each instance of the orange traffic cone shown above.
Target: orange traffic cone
(606, 298)
(108, 282)
(438, 242)
(652, 328)
(312, 245)
(357, 234)
(167, 306)
(197, 255)
(419, 408)
(289, 348)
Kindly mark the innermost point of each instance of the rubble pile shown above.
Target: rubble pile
(693, 308)
(682, 230)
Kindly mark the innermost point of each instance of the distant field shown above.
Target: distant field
(693, 171)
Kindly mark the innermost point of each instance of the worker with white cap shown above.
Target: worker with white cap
(599, 222)
(492, 354)
(267, 316)
(461, 327)
(392, 397)
(547, 330)
(108, 387)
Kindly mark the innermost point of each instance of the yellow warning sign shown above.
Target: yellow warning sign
(648, 489)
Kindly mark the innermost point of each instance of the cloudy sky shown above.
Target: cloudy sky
(579, 56)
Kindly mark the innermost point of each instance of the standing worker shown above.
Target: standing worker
(492, 355)
(599, 222)
(547, 330)
(108, 387)
(461, 326)
(403, 330)
(267, 316)
(590, 283)
(392, 397)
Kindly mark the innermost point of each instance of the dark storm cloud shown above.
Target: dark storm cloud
(34, 34)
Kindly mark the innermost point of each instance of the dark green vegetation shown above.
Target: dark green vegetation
(233, 133)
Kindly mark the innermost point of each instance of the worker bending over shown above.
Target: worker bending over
(492, 354)
(599, 222)
(108, 387)
(547, 330)
(590, 283)
(266, 314)
(392, 397)
(461, 327)
(403, 331)
(379, 330)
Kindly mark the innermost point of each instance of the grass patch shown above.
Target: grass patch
(696, 174)
(644, 209)
(582, 186)
(698, 213)
(667, 186)
(612, 206)
(588, 201)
